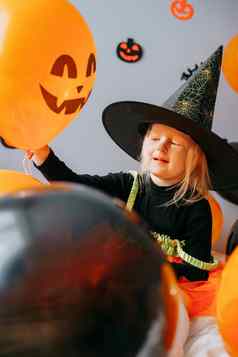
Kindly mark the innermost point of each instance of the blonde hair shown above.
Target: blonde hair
(196, 181)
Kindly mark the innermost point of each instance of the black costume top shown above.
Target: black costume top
(192, 223)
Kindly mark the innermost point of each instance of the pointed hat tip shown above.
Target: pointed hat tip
(220, 48)
(219, 51)
(215, 57)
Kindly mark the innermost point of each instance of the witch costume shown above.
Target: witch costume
(183, 231)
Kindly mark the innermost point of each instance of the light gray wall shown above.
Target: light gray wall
(170, 47)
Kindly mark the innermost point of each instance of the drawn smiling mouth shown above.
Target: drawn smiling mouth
(129, 58)
(70, 105)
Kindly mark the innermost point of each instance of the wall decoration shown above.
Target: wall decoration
(129, 51)
(230, 63)
(182, 9)
(185, 76)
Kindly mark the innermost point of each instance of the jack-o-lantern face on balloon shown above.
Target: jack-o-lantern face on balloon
(48, 79)
(71, 105)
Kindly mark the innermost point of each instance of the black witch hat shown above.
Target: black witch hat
(190, 109)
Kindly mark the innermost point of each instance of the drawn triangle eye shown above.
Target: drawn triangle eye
(60, 64)
(79, 88)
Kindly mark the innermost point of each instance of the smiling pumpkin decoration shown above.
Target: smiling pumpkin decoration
(47, 69)
(129, 51)
(182, 9)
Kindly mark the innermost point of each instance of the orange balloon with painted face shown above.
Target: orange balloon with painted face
(47, 69)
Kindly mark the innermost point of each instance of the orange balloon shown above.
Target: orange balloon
(227, 304)
(47, 68)
(230, 63)
(217, 218)
(13, 181)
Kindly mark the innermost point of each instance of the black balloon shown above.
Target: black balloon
(77, 277)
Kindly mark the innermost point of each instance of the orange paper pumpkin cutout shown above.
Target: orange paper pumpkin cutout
(227, 304)
(230, 63)
(13, 181)
(182, 9)
(47, 67)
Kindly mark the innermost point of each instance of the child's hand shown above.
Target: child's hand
(38, 156)
(29, 154)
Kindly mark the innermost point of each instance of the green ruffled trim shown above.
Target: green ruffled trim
(168, 246)
(134, 191)
(173, 247)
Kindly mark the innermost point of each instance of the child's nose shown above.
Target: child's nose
(163, 144)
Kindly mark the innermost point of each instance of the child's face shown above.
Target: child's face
(164, 154)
